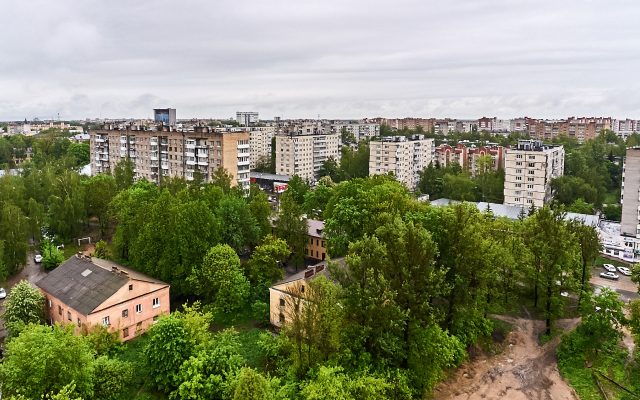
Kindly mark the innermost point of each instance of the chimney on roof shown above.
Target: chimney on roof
(319, 268)
(308, 273)
(79, 254)
(124, 274)
(114, 269)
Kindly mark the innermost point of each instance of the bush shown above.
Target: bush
(101, 250)
(261, 312)
(112, 377)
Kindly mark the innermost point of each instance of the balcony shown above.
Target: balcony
(202, 153)
(97, 163)
(241, 163)
(243, 146)
(123, 153)
(132, 154)
(164, 148)
(132, 140)
(164, 165)
(99, 139)
(203, 161)
(190, 161)
(153, 141)
(123, 147)
(154, 164)
(123, 139)
(104, 157)
(154, 156)
(244, 154)
(190, 144)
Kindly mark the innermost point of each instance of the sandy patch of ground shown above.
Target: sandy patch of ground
(525, 370)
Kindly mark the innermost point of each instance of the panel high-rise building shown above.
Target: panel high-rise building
(246, 118)
(165, 116)
(403, 156)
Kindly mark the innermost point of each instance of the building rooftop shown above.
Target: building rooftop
(273, 177)
(316, 228)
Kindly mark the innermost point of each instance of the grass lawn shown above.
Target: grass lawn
(602, 260)
(612, 197)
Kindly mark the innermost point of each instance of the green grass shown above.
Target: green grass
(241, 319)
(70, 249)
(602, 260)
(612, 197)
(544, 338)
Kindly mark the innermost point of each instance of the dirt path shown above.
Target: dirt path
(525, 370)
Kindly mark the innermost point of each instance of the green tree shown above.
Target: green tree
(36, 218)
(99, 191)
(315, 202)
(602, 320)
(263, 164)
(221, 277)
(263, 266)
(66, 204)
(24, 306)
(333, 384)
(297, 188)
(589, 248)
(252, 386)
(112, 377)
(52, 256)
(81, 152)
(346, 136)
(291, 226)
(260, 209)
(612, 212)
(14, 231)
(238, 226)
(331, 169)
(167, 348)
(124, 174)
(579, 206)
(222, 179)
(43, 360)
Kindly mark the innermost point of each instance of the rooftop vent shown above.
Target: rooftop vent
(86, 272)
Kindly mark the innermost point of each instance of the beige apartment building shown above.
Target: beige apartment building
(630, 194)
(303, 154)
(579, 129)
(529, 168)
(403, 156)
(260, 141)
(166, 151)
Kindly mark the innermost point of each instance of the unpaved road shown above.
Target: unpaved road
(524, 371)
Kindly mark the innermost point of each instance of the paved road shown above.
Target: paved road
(627, 289)
(32, 272)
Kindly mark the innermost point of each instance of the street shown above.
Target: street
(32, 272)
(627, 289)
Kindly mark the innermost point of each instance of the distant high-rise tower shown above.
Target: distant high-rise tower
(165, 115)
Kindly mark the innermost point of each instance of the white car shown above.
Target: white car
(609, 267)
(624, 271)
(3, 293)
(38, 258)
(609, 275)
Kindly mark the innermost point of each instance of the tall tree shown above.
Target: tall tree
(66, 204)
(124, 174)
(24, 306)
(263, 266)
(297, 188)
(291, 226)
(589, 248)
(99, 191)
(14, 233)
(222, 179)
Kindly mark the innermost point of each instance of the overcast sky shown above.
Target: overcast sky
(336, 58)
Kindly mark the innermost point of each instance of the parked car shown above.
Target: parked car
(3, 293)
(38, 258)
(609, 275)
(609, 267)
(624, 271)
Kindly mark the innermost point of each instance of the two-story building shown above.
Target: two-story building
(90, 291)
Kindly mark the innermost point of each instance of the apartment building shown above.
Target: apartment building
(167, 151)
(166, 116)
(360, 131)
(630, 193)
(246, 118)
(582, 129)
(493, 124)
(625, 127)
(529, 168)
(467, 156)
(403, 156)
(303, 155)
(260, 141)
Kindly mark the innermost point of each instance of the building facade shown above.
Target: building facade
(630, 194)
(403, 156)
(86, 291)
(165, 151)
(260, 141)
(165, 116)
(360, 131)
(529, 168)
(467, 157)
(246, 118)
(303, 154)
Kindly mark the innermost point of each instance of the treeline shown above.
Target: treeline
(52, 144)
(452, 182)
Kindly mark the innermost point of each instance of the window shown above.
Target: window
(530, 193)
(529, 201)
(79, 323)
(518, 155)
(322, 243)
(518, 178)
(531, 172)
(281, 302)
(156, 302)
(532, 157)
(518, 171)
(532, 164)
(517, 199)
(138, 308)
(130, 287)
(125, 332)
(69, 315)
(311, 240)
(105, 321)
(530, 179)
(155, 320)
(529, 186)
(519, 163)
(50, 303)
(125, 313)
(517, 192)
(59, 310)
(281, 318)
(518, 185)
(139, 326)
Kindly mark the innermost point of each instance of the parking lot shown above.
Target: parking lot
(627, 289)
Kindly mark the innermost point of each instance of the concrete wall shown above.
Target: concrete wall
(631, 193)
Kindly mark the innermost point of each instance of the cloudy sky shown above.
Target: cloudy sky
(335, 58)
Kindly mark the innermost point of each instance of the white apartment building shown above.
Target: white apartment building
(164, 151)
(529, 168)
(260, 140)
(246, 118)
(403, 156)
(360, 131)
(625, 127)
(630, 194)
(303, 154)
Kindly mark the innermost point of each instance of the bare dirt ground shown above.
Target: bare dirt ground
(525, 370)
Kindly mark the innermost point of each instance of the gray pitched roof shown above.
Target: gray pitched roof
(72, 284)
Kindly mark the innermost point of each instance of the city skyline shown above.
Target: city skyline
(337, 59)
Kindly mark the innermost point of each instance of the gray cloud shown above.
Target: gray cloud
(339, 59)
